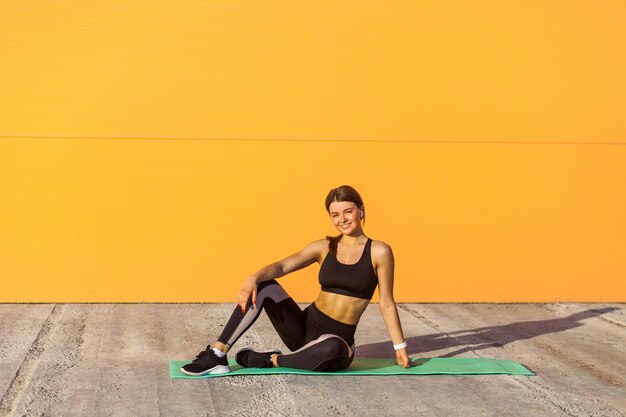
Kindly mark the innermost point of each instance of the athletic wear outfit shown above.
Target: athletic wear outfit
(317, 342)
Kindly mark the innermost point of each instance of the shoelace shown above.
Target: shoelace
(203, 353)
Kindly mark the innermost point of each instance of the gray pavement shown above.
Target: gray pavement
(112, 360)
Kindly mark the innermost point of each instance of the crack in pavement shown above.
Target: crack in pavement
(13, 395)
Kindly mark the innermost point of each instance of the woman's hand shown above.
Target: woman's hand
(402, 358)
(248, 289)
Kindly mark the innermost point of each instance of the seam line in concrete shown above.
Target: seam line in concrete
(13, 395)
(612, 321)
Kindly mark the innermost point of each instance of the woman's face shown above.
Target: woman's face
(346, 216)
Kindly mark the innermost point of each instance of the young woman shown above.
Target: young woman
(320, 338)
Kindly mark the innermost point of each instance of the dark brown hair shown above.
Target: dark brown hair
(342, 193)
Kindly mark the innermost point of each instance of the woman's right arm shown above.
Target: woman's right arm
(310, 254)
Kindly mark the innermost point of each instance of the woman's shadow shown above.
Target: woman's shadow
(482, 337)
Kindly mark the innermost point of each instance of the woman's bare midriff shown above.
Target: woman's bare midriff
(340, 307)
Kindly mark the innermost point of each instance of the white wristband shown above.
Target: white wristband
(400, 346)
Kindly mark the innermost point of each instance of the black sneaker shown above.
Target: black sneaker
(250, 359)
(206, 362)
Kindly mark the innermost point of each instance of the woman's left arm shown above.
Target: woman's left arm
(383, 257)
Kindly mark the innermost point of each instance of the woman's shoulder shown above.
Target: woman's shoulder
(319, 245)
(380, 248)
(318, 242)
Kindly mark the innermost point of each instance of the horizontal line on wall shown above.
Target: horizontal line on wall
(443, 142)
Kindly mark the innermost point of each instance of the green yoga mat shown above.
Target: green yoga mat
(382, 366)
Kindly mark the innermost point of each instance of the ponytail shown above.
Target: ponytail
(333, 242)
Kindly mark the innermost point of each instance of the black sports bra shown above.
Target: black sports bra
(355, 280)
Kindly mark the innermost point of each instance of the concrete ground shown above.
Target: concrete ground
(112, 360)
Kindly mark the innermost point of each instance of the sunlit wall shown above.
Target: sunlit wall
(162, 151)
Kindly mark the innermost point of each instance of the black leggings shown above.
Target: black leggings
(317, 341)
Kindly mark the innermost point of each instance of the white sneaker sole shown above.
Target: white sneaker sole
(216, 370)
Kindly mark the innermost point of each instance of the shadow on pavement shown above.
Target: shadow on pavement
(482, 337)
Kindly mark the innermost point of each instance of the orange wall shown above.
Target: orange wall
(162, 151)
